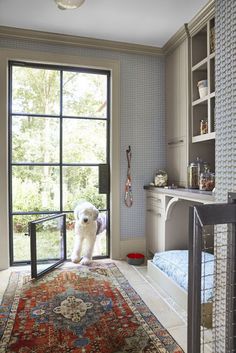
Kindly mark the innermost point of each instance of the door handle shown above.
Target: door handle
(156, 213)
(175, 142)
(103, 176)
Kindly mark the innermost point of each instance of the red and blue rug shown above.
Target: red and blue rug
(79, 310)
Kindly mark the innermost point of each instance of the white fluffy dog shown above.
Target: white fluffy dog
(86, 227)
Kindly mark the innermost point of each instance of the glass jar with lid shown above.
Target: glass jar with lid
(207, 181)
(203, 127)
(193, 176)
(161, 178)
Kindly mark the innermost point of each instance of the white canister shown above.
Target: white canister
(203, 88)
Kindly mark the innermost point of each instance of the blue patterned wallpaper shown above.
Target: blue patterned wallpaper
(142, 122)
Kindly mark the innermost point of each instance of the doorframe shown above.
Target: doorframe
(63, 60)
(61, 163)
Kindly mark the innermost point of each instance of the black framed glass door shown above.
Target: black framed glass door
(59, 121)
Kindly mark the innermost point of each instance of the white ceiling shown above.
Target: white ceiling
(148, 22)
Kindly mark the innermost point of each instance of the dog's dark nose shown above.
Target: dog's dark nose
(85, 220)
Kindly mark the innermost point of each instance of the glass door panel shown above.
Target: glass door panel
(45, 133)
(35, 188)
(21, 238)
(48, 243)
(85, 94)
(84, 141)
(82, 183)
(35, 90)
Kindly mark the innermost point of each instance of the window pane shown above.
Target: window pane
(84, 94)
(81, 183)
(21, 240)
(35, 90)
(49, 243)
(70, 231)
(84, 141)
(35, 139)
(35, 188)
(101, 244)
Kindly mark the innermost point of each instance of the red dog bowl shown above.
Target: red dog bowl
(135, 259)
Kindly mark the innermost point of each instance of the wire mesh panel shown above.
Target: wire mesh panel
(211, 300)
(215, 260)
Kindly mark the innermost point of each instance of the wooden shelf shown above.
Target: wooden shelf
(204, 99)
(201, 101)
(212, 55)
(202, 63)
(205, 137)
(212, 95)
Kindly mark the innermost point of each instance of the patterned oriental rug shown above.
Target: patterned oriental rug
(79, 310)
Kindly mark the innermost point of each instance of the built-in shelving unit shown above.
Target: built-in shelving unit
(204, 137)
(190, 58)
(203, 68)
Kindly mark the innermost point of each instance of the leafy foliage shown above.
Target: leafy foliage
(49, 244)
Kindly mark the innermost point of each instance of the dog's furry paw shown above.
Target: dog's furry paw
(75, 259)
(85, 261)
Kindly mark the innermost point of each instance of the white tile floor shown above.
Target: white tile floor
(167, 312)
(170, 315)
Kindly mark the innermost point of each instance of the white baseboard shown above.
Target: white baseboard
(130, 245)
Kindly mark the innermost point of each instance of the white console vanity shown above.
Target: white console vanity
(167, 228)
(167, 216)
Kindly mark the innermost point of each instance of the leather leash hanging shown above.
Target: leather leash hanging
(128, 185)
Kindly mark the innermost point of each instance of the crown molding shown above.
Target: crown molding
(69, 40)
(206, 13)
(199, 21)
(189, 29)
(176, 40)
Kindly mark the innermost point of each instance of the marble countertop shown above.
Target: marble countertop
(188, 194)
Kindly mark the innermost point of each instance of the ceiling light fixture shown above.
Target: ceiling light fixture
(68, 4)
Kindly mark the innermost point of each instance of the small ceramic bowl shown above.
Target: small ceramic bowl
(135, 259)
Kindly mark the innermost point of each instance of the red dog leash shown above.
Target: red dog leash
(128, 185)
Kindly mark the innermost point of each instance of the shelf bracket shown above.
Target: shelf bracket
(170, 206)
